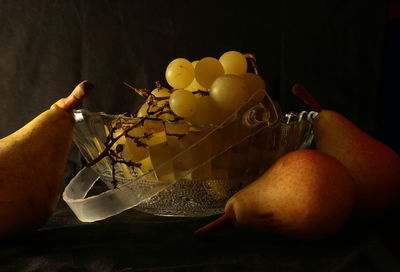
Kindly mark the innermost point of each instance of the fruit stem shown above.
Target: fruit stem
(301, 92)
(253, 62)
(141, 92)
(219, 223)
(82, 90)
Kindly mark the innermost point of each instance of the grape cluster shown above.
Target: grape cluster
(201, 92)
(204, 91)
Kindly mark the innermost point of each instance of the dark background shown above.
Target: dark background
(344, 51)
(335, 48)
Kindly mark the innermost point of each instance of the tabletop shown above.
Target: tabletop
(134, 241)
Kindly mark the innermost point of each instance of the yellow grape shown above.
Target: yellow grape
(142, 112)
(207, 70)
(156, 130)
(234, 63)
(120, 141)
(255, 83)
(183, 103)
(176, 128)
(229, 92)
(179, 73)
(195, 85)
(146, 165)
(163, 94)
(133, 151)
(207, 112)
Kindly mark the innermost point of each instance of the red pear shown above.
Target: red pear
(306, 194)
(374, 166)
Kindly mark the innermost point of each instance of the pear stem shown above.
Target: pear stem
(219, 223)
(82, 90)
(301, 92)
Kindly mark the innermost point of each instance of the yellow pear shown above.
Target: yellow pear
(32, 163)
(374, 166)
(306, 194)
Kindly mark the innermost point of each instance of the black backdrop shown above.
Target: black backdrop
(335, 48)
(338, 49)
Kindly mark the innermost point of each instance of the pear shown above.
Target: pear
(306, 194)
(32, 163)
(374, 166)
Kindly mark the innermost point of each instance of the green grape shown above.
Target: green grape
(255, 83)
(229, 92)
(195, 85)
(179, 73)
(207, 70)
(183, 103)
(234, 63)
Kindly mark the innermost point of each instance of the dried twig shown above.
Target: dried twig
(253, 62)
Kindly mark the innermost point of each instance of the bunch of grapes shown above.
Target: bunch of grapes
(204, 91)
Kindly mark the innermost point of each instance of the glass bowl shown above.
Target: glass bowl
(180, 169)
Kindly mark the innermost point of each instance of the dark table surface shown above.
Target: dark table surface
(133, 241)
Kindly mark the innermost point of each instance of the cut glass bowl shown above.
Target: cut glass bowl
(184, 169)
